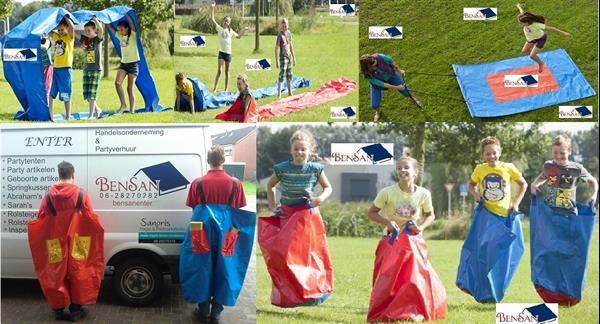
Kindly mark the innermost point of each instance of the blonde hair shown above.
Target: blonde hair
(407, 156)
(285, 20)
(561, 140)
(215, 155)
(307, 136)
(490, 140)
(244, 78)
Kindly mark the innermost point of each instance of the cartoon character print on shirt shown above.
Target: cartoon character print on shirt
(59, 47)
(405, 210)
(90, 48)
(225, 34)
(563, 199)
(284, 41)
(552, 176)
(125, 41)
(493, 187)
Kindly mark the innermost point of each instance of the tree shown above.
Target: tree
(6, 8)
(257, 26)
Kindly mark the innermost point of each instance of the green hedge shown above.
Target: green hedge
(202, 23)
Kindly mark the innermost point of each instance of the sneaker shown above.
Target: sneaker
(377, 116)
(79, 315)
(418, 103)
(60, 315)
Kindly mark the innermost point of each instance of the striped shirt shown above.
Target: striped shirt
(297, 182)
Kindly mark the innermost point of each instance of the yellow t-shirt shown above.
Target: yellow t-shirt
(400, 206)
(494, 185)
(129, 48)
(187, 88)
(63, 50)
(534, 31)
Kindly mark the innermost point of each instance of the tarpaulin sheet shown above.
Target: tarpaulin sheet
(215, 253)
(405, 285)
(332, 90)
(26, 78)
(294, 246)
(559, 83)
(490, 255)
(67, 248)
(203, 98)
(236, 112)
(560, 244)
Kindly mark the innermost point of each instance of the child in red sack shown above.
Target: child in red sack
(405, 286)
(244, 107)
(308, 279)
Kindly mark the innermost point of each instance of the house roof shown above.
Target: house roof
(232, 136)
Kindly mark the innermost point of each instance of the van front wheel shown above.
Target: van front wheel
(137, 281)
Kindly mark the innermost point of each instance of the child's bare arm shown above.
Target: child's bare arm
(520, 8)
(273, 181)
(556, 30)
(429, 218)
(277, 55)
(100, 29)
(324, 182)
(391, 86)
(292, 52)
(131, 24)
(373, 215)
(193, 109)
(520, 194)
(70, 27)
(212, 14)
(535, 185)
(473, 191)
(177, 99)
(593, 183)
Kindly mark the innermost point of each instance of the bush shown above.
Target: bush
(349, 219)
(77, 58)
(202, 23)
(455, 228)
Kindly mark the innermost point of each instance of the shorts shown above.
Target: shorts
(48, 70)
(376, 90)
(91, 81)
(285, 69)
(61, 83)
(224, 56)
(184, 103)
(131, 68)
(540, 42)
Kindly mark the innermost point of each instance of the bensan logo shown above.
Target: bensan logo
(161, 178)
(480, 13)
(526, 313)
(575, 112)
(521, 81)
(362, 154)
(20, 54)
(192, 41)
(342, 113)
(258, 64)
(342, 10)
(385, 32)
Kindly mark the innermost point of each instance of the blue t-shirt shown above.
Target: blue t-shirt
(297, 182)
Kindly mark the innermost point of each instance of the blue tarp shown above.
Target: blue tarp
(212, 274)
(26, 79)
(203, 98)
(480, 99)
(560, 244)
(490, 255)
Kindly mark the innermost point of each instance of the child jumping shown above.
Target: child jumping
(63, 40)
(130, 58)
(285, 58)
(184, 94)
(383, 74)
(244, 107)
(309, 280)
(534, 27)
(406, 210)
(92, 67)
(225, 34)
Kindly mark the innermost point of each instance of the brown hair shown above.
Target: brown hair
(216, 156)
(179, 77)
(407, 156)
(305, 135)
(90, 24)
(561, 140)
(490, 140)
(244, 78)
(366, 61)
(529, 18)
(63, 22)
(66, 170)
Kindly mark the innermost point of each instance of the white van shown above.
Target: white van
(137, 178)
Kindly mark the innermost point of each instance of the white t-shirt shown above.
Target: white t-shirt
(225, 36)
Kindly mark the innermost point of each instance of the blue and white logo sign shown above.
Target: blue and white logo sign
(20, 54)
(521, 80)
(343, 112)
(575, 111)
(258, 64)
(192, 41)
(386, 32)
(526, 313)
(342, 10)
(480, 13)
(362, 153)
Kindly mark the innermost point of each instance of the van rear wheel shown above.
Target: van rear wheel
(137, 281)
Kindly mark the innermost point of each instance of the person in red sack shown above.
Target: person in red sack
(216, 188)
(67, 247)
(244, 107)
(405, 285)
(293, 241)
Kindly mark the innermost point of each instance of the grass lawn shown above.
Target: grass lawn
(436, 37)
(107, 98)
(249, 187)
(353, 263)
(327, 52)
